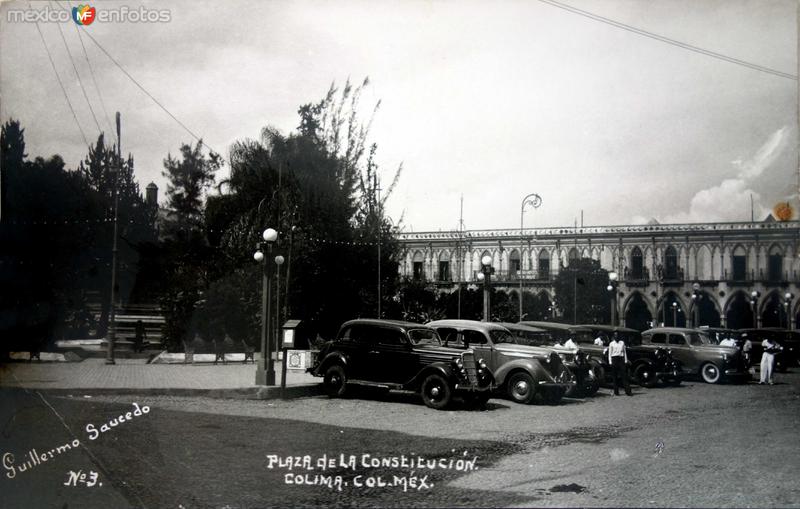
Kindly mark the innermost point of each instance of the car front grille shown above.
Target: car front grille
(470, 367)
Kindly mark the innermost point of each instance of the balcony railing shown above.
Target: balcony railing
(536, 276)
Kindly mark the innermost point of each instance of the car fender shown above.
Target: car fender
(532, 366)
(440, 368)
(332, 358)
(639, 362)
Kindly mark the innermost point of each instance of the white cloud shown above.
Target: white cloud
(734, 198)
(765, 156)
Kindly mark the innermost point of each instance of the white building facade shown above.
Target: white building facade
(733, 275)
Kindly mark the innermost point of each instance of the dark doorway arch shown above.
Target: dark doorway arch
(708, 313)
(638, 315)
(739, 314)
(672, 311)
(772, 314)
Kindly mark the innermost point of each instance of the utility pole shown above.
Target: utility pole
(379, 221)
(112, 329)
(458, 253)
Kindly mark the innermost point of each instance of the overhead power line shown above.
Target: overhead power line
(64, 90)
(77, 74)
(94, 80)
(667, 40)
(139, 85)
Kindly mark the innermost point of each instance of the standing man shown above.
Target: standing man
(618, 358)
(771, 348)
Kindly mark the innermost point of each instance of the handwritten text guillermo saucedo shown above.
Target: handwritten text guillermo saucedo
(299, 468)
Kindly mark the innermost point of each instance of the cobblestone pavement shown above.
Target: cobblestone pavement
(137, 374)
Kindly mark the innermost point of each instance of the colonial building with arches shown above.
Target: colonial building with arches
(734, 275)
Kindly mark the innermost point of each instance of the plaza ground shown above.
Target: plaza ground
(696, 445)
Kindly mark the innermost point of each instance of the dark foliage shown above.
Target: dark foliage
(581, 294)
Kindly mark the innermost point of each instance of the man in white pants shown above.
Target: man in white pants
(771, 348)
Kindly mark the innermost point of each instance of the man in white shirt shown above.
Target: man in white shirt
(771, 349)
(729, 341)
(599, 340)
(618, 358)
(570, 344)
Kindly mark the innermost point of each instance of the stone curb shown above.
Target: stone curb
(253, 393)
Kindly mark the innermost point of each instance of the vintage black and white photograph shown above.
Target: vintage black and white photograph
(407, 253)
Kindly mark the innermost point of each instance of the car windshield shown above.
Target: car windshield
(696, 339)
(424, 337)
(501, 336)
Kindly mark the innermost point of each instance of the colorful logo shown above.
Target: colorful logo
(783, 211)
(83, 14)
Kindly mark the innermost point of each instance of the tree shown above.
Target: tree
(108, 175)
(318, 187)
(581, 293)
(49, 217)
(186, 257)
(188, 180)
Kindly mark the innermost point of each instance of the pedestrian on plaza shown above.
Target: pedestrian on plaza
(771, 349)
(600, 340)
(747, 352)
(570, 343)
(618, 358)
(140, 334)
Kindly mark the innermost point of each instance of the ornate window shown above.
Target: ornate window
(544, 264)
(671, 259)
(419, 266)
(775, 264)
(514, 263)
(739, 264)
(637, 264)
(444, 266)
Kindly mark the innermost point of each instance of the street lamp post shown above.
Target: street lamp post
(674, 314)
(485, 275)
(696, 296)
(787, 306)
(534, 200)
(276, 331)
(265, 371)
(613, 278)
(754, 295)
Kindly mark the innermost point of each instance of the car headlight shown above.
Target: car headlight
(457, 361)
(482, 363)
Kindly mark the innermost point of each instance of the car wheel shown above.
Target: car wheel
(436, 392)
(592, 388)
(644, 375)
(599, 374)
(334, 381)
(521, 387)
(710, 373)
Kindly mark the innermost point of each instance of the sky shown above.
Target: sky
(488, 101)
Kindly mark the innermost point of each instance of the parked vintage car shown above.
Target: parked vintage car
(402, 356)
(523, 373)
(574, 358)
(697, 355)
(647, 366)
(785, 338)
